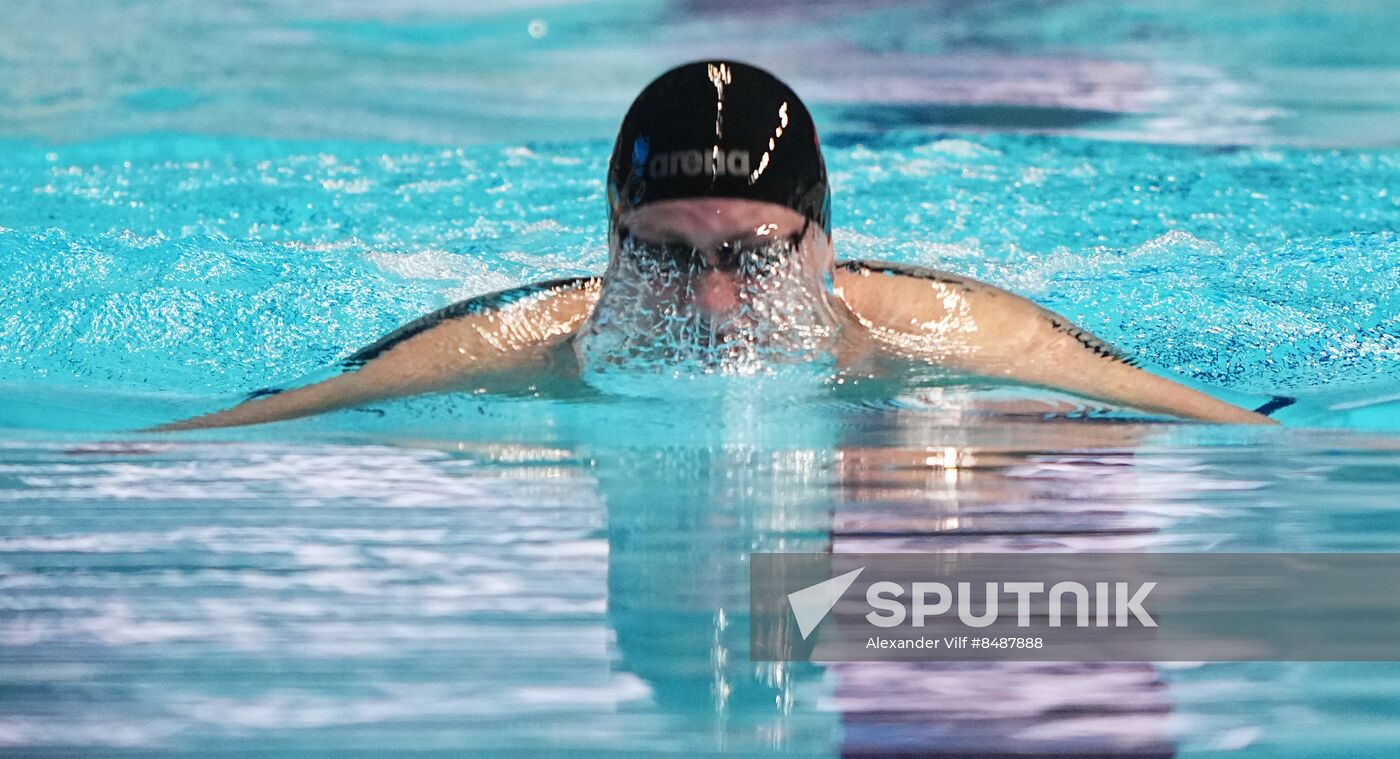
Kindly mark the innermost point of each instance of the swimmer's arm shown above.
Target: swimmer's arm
(516, 331)
(973, 327)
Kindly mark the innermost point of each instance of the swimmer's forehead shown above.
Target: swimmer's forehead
(703, 220)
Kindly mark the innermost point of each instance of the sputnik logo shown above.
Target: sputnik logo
(811, 604)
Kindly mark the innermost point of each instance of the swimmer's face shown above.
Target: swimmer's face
(712, 285)
(715, 254)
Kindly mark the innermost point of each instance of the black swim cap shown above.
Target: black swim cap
(719, 129)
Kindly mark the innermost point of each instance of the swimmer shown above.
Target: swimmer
(721, 262)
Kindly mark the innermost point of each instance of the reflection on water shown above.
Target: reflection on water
(424, 586)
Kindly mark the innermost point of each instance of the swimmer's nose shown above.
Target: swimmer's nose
(717, 294)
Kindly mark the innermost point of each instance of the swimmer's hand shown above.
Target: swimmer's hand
(482, 341)
(925, 315)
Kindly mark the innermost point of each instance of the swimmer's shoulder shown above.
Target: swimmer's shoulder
(905, 300)
(861, 276)
(893, 295)
(540, 313)
(502, 340)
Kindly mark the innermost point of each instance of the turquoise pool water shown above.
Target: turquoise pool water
(181, 222)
